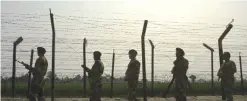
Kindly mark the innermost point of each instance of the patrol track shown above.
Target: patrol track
(191, 98)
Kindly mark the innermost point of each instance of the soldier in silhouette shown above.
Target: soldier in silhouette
(179, 73)
(95, 76)
(132, 75)
(226, 73)
(39, 71)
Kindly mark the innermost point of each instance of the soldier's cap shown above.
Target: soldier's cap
(226, 54)
(132, 51)
(41, 50)
(180, 50)
(96, 53)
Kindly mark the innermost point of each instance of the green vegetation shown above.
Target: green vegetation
(74, 89)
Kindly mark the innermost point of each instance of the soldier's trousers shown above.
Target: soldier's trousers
(95, 93)
(180, 89)
(36, 91)
(132, 85)
(228, 88)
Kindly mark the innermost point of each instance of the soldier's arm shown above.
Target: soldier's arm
(173, 69)
(41, 67)
(127, 71)
(98, 68)
(102, 68)
(138, 68)
(32, 69)
(219, 73)
(86, 68)
(234, 67)
(186, 65)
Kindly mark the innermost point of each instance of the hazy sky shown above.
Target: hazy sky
(205, 19)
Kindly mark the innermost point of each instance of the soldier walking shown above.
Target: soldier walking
(226, 73)
(39, 71)
(95, 76)
(132, 75)
(179, 73)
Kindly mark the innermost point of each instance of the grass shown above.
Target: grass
(120, 89)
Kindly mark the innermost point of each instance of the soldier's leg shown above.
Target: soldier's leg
(184, 85)
(228, 88)
(177, 90)
(134, 90)
(98, 92)
(91, 92)
(40, 95)
(182, 95)
(32, 95)
(130, 90)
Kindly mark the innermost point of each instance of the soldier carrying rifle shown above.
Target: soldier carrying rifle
(226, 73)
(95, 76)
(179, 73)
(38, 72)
(132, 75)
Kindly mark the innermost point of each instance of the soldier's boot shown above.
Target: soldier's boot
(97, 96)
(91, 98)
(31, 97)
(40, 95)
(131, 96)
(134, 95)
(177, 98)
(183, 98)
(41, 99)
(228, 94)
(229, 98)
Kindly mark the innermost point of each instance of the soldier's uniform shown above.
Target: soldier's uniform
(37, 83)
(132, 75)
(226, 73)
(95, 80)
(181, 83)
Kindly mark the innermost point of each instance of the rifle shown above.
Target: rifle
(27, 66)
(24, 64)
(86, 69)
(169, 86)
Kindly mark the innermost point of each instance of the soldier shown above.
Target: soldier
(39, 71)
(95, 76)
(132, 75)
(179, 72)
(226, 73)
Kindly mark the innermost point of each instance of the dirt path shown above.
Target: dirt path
(198, 98)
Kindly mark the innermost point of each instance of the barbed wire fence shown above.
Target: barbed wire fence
(106, 34)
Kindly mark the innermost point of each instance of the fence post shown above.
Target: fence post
(212, 66)
(19, 40)
(84, 71)
(229, 27)
(29, 74)
(53, 56)
(144, 61)
(112, 73)
(152, 68)
(241, 74)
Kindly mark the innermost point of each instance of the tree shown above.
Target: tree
(78, 77)
(193, 78)
(49, 75)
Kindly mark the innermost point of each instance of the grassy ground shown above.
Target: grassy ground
(70, 90)
(190, 98)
